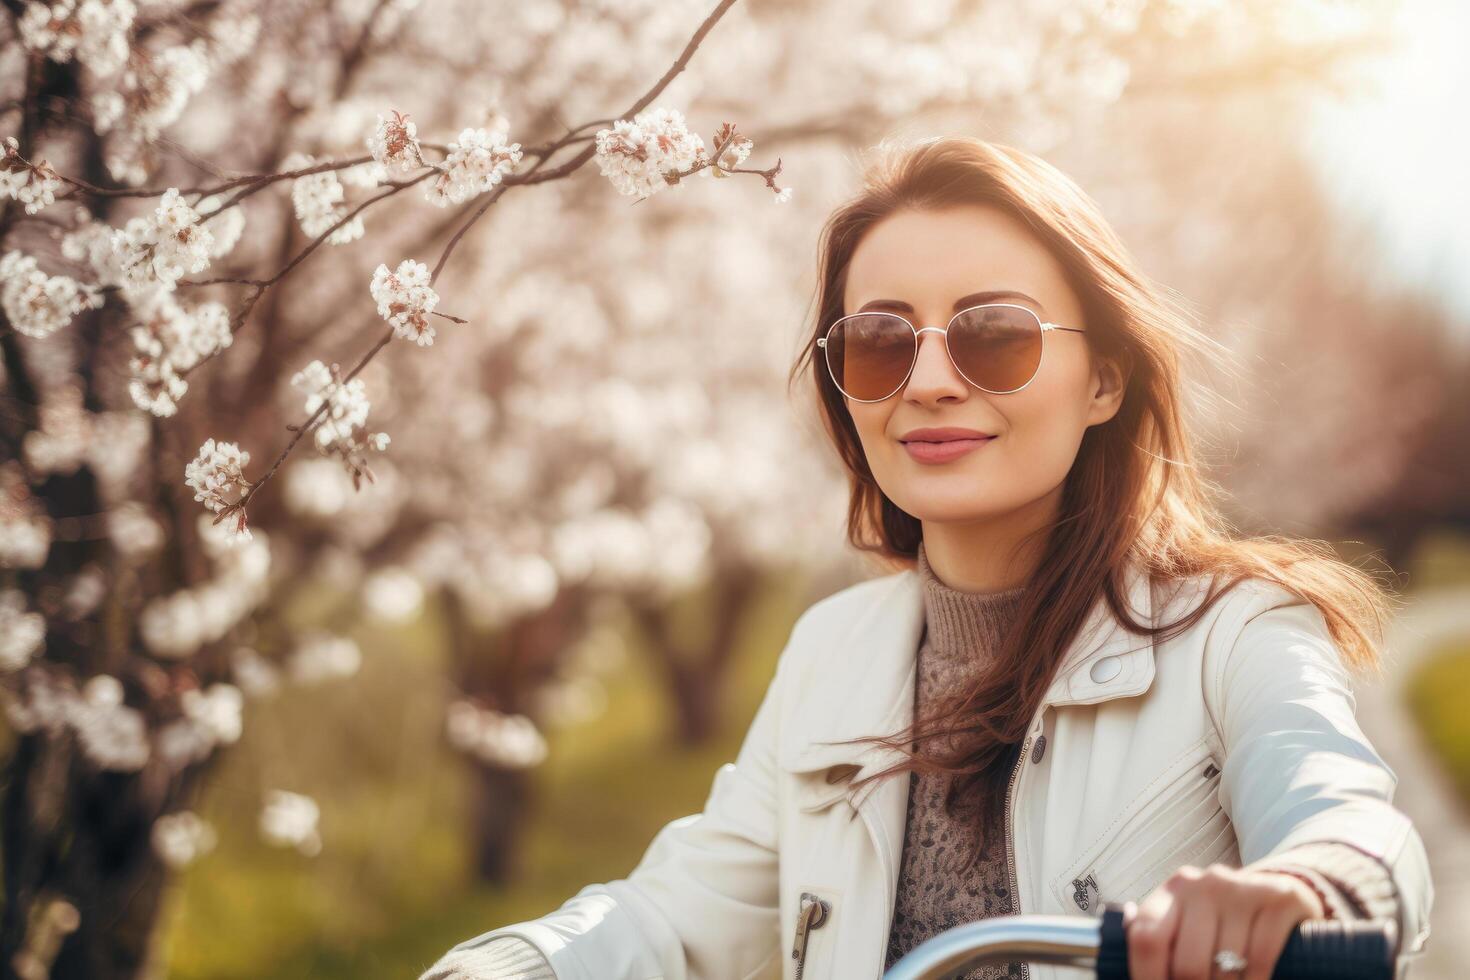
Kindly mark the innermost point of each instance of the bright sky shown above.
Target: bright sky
(1399, 157)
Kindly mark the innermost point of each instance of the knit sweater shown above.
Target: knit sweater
(959, 631)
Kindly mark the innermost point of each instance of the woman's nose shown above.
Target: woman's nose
(934, 373)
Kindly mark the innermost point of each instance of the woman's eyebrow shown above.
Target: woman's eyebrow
(974, 299)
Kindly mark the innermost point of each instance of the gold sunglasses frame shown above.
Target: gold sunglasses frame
(1043, 325)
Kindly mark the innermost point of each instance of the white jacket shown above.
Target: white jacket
(1233, 741)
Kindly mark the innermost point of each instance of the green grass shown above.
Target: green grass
(1437, 690)
(1441, 560)
(1437, 700)
(392, 888)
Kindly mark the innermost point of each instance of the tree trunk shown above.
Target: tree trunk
(504, 671)
(698, 704)
(500, 802)
(696, 669)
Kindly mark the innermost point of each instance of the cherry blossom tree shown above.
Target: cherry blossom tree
(128, 620)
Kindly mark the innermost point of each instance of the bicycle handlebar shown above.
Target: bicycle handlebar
(1317, 949)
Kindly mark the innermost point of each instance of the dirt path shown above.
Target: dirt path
(1424, 791)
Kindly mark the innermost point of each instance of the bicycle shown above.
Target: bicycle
(1317, 948)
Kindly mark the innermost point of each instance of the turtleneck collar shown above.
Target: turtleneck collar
(961, 625)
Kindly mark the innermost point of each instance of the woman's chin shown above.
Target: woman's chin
(959, 508)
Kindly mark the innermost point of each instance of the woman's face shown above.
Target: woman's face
(918, 264)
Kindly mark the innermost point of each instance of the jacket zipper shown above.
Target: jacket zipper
(813, 915)
(1010, 846)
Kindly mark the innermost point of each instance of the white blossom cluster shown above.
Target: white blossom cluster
(496, 583)
(657, 550)
(737, 148)
(225, 226)
(34, 185)
(392, 594)
(217, 472)
(99, 246)
(25, 528)
(322, 656)
(134, 532)
(95, 32)
(181, 838)
(347, 410)
(60, 441)
(119, 445)
(255, 675)
(120, 256)
(22, 633)
(115, 736)
(36, 304)
(509, 741)
(175, 626)
(405, 299)
(290, 820)
(155, 252)
(171, 340)
(318, 489)
(84, 592)
(216, 710)
(41, 701)
(156, 86)
(210, 718)
(395, 145)
(636, 155)
(111, 734)
(347, 401)
(231, 35)
(318, 200)
(477, 161)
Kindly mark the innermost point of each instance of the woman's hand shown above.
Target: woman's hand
(1174, 933)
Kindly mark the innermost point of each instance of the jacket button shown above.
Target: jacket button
(1040, 748)
(1106, 669)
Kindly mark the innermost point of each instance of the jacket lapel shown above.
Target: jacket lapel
(862, 683)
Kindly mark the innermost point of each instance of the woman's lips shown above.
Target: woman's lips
(943, 452)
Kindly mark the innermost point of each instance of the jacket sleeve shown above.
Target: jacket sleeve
(1298, 768)
(700, 903)
(1352, 884)
(496, 958)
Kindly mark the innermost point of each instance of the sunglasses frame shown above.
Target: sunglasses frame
(944, 330)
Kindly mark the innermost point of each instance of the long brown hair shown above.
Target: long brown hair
(1133, 495)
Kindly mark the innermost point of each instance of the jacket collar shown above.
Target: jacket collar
(862, 681)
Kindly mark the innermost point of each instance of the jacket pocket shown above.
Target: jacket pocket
(821, 788)
(1177, 820)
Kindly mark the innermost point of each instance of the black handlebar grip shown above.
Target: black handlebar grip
(1318, 949)
(1357, 949)
(1112, 947)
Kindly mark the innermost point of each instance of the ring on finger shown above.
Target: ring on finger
(1229, 961)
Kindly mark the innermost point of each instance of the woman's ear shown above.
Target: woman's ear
(1110, 376)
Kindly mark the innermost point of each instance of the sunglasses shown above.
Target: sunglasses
(997, 347)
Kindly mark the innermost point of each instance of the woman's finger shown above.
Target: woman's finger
(1199, 921)
(1236, 924)
(1277, 915)
(1150, 934)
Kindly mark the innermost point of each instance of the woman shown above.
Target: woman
(1080, 687)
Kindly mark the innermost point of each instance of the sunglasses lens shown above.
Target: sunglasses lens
(869, 354)
(997, 348)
